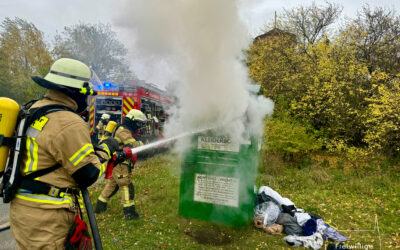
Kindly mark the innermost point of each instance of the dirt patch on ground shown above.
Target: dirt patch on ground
(210, 237)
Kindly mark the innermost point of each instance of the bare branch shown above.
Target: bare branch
(310, 23)
(376, 34)
(96, 45)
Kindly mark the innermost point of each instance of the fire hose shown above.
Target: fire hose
(92, 219)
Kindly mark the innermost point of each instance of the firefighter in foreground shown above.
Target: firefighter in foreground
(122, 173)
(43, 209)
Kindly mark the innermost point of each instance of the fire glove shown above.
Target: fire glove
(124, 154)
(118, 157)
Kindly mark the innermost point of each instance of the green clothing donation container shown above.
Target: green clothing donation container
(217, 180)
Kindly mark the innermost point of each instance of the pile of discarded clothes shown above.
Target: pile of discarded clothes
(275, 214)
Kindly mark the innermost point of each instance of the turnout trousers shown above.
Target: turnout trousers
(121, 180)
(39, 228)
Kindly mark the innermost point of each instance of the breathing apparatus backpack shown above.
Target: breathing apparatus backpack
(14, 122)
(8, 118)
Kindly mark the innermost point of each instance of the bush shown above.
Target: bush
(292, 139)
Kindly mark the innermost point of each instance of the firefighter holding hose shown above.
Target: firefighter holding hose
(59, 160)
(122, 173)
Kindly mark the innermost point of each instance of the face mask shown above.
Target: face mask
(82, 103)
(81, 100)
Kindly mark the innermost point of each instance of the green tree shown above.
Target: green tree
(292, 137)
(5, 89)
(96, 45)
(23, 53)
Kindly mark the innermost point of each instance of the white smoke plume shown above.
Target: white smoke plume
(198, 45)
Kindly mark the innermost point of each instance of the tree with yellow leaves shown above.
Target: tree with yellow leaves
(23, 53)
(383, 117)
(345, 89)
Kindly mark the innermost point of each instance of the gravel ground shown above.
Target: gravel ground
(6, 238)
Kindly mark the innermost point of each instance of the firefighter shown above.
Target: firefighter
(43, 209)
(122, 173)
(150, 124)
(105, 118)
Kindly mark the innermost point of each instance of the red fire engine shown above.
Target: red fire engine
(117, 101)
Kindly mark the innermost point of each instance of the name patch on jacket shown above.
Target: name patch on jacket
(36, 127)
(39, 123)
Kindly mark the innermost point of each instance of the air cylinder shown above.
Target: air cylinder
(8, 118)
(109, 130)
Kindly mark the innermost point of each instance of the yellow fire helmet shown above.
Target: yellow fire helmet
(67, 73)
(136, 115)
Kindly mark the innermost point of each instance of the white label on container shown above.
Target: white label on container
(217, 143)
(216, 190)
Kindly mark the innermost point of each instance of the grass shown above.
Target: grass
(345, 201)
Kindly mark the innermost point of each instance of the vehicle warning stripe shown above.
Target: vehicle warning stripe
(125, 111)
(91, 116)
(130, 101)
(128, 105)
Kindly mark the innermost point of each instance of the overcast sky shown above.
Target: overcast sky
(51, 16)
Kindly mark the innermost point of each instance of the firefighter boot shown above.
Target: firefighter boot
(100, 207)
(131, 214)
